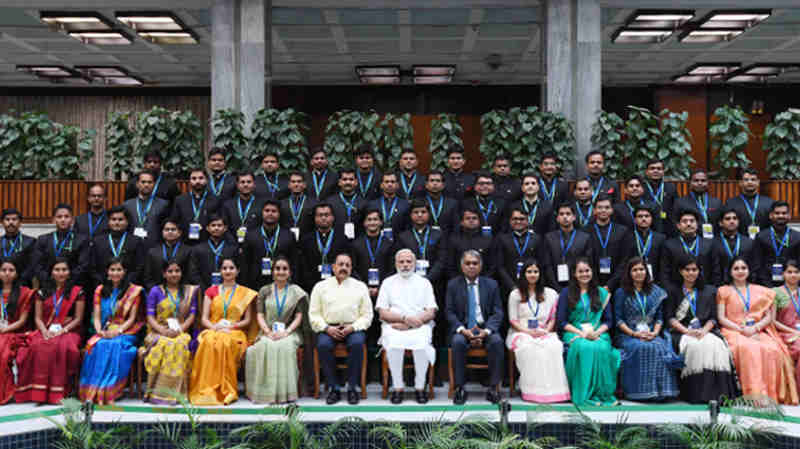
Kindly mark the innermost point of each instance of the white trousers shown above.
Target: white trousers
(394, 358)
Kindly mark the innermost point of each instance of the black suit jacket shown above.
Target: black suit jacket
(384, 257)
(252, 217)
(340, 211)
(761, 212)
(624, 214)
(507, 188)
(203, 261)
(75, 250)
(436, 252)
(491, 211)
(669, 278)
(605, 185)
(555, 194)
(183, 214)
(154, 264)
(167, 189)
(415, 184)
(491, 303)
(329, 185)
(506, 256)
(688, 202)
(305, 221)
(456, 185)
(584, 215)
(264, 191)
(100, 228)
(254, 249)
(450, 215)
(22, 255)
(464, 240)
(132, 254)
(670, 194)
(720, 258)
(226, 183)
(542, 222)
(159, 210)
(552, 254)
(616, 248)
(652, 255)
(369, 188)
(311, 256)
(767, 255)
(400, 220)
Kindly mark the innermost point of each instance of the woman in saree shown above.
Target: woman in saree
(15, 306)
(787, 303)
(271, 363)
(584, 318)
(537, 348)
(227, 317)
(691, 315)
(171, 308)
(112, 350)
(745, 312)
(50, 356)
(648, 362)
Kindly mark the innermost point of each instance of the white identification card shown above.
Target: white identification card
(325, 271)
(350, 230)
(387, 233)
(266, 266)
(373, 277)
(650, 270)
(296, 231)
(708, 231)
(486, 231)
(173, 324)
(605, 265)
(216, 278)
(563, 272)
(694, 324)
(140, 232)
(55, 328)
(194, 231)
(753, 231)
(519, 268)
(436, 228)
(642, 327)
(777, 272)
(225, 323)
(421, 267)
(241, 233)
(278, 326)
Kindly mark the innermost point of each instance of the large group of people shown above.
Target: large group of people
(595, 294)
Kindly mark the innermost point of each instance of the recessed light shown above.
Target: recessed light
(433, 70)
(662, 17)
(385, 70)
(713, 68)
(702, 35)
(46, 70)
(692, 79)
(659, 18)
(752, 16)
(102, 71)
(641, 35)
(432, 79)
(168, 37)
(122, 81)
(150, 20)
(747, 79)
(380, 79)
(101, 37)
(75, 20)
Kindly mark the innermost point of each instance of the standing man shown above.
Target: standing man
(562, 247)
(584, 203)
(491, 207)
(474, 315)
(347, 204)
(506, 187)
(243, 212)
(321, 180)
(407, 307)
(698, 199)
(221, 183)
(193, 208)
(171, 248)
(269, 184)
(469, 237)
(512, 249)
(445, 212)
(776, 245)
(730, 243)
(429, 245)
(319, 248)
(456, 180)
(367, 175)
(646, 242)
(296, 208)
(118, 243)
(165, 186)
(340, 311)
(16, 246)
(661, 193)
(372, 253)
(752, 207)
(263, 244)
(539, 211)
(412, 182)
(688, 241)
(146, 211)
(596, 169)
(554, 190)
(63, 242)
(206, 257)
(95, 222)
(610, 242)
(394, 210)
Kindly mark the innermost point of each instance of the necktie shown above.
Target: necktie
(471, 313)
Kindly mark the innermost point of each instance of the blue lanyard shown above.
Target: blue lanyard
(752, 211)
(143, 214)
(57, 301)
(388, 218)
(324, 250)
(565, 249)
(584, 219)
(271, 186)
(735, 252)
(784, 243)
(604, 243)
(658, 195)
(691, 296)
(702, 205)
(243, 215)
(795, 299)
(369, 248)
(596, 189)
(349, 206)
(296, 208)
(521, 251)
(273, 242)
(174, 251)
(16, 245)
(422, 243)
(531, 213)
(548, 194)
(745, 301)
(644, 250)
(586, 307)
(217, 250)
(93, 226)
(632, 209)
(117, 249)
(176, 302)
(59, 246)
(364, 188)
(694, 249)
(436, 211)
(280, 304)
(155, 187)
(485, 210)
(536, 313)
(216, 188)
(407, 187)
(226, 304)
(318, 185)
(196, 209)
(642, 300)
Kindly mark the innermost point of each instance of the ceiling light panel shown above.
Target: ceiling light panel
(169, 37)
(640, 35)
(380, 80)
(432, 79)
(150, 20)
(659, 18)
(46, 71)
(101, 37)
(390, 70)
(102, 71)
(734, 18)
(713, 68)
(703, 36)
(75, 20)
(434, 70)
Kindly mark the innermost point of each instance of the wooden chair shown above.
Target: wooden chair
(512, 373)
(385, 373)
(340, 351)
(139, 364)
(471, 353)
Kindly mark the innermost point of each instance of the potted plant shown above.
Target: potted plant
(729, 134)
(227, 128)
(120, 159)
(782, 144)
(608, 137)
(281, 132)
(445, 134)
(77, 432)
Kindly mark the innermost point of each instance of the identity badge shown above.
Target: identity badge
(694, 324)
(562, 272)
(241, 233)
(777, 272)
(519, 268)
(605, 265)
(216, 278)
(278, 326)
(373, 277)
(266, 266)
(753, 231)
(350, 230)
(173, 324)
(325, 271)
(296, 232)
(387, 233)
(140, 232)
(421, 267)
(486, 231)
(533, 323)
(194, 231)
(708, 231)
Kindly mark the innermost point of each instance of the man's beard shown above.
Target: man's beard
(405, 274)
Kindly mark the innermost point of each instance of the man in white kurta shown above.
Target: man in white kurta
(407, 307)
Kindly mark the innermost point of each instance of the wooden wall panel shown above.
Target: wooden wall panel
(693, 100)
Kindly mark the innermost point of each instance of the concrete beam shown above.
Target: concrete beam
(588, 76)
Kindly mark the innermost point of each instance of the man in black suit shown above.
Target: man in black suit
(475, 314)
(321, 180)
(171, 248)
(296, 208)
(192, 209)
(491, 208)
(146, 211)
(752, 207)
(269, 184)
(221, 183)
(119, 243)
(634, 196)
(688, 241)
(610, 242)
(456, 181)
(445, 213)
(394, 210)
(165, 186)
(63, 242)
(539, 211)
(469, 236)
(244, 211)
(94, 222)
(698, 199)
(206, 258)
(776, 245)
(730, 243)
(319, 248)
(596, 169)
(263, 244)
(562, 247)
(506, 187)
(554, 190)
(16, 246)
(369, 177)
(661, 193)
(347, 204)
(372, 253)
(510, 250)
(584, 204)
(646, 242)
(412, 182)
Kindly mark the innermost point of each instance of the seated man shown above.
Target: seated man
(407, 307)
(340, 312)
(475, 313)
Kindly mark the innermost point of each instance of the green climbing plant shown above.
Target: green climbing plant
(119, 145)
(729, 134)
(782, 144)
(227, 128)
(609, 138)
(283, 133)
(445, 135)
(176, 135)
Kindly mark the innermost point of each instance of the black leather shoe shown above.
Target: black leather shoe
(492, 395)
(460, 397)
(334, 396)
(397, 397)
(352, 397)
(422, 396)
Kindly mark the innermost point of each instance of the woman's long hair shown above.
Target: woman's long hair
(108, 287)
(49, 286)
(13, 297)
(574, 290)
(185, 300)
(522, 282)
(627, 280)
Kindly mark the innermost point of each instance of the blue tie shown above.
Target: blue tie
(471, 319)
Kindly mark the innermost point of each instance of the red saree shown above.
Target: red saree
(48, 367)
(9, 342)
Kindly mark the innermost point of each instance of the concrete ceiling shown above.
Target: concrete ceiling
(321, 41)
